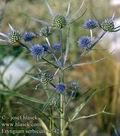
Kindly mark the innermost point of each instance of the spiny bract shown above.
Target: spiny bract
(46, 77)
(59, 22)
(15, 37)
(107, 25)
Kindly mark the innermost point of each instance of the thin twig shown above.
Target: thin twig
(50, 63)
(83, 64)
(68, 9)
(67, 48)
(78, 11)
(49, 8)
(93, 115)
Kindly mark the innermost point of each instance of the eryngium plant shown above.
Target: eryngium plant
(56, 56)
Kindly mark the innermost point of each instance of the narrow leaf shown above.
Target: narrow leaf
(22, 96)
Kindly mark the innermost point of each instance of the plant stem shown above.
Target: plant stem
(62, 108)
(61, 115)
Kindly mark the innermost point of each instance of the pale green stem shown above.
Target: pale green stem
(47, 131)
(61, 115)
(48, 42)
(91, 34)
(62, 108)
(92, 115)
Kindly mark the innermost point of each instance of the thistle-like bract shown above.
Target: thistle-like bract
(15, 37)
(59, 22)
(107, 25)
(45, 78)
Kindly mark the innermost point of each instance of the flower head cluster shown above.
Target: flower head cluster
(37, 51)
(59, 22)
(57, 47)
(57, 55)
(85, 42)
(13, 37)
(60, 87)
(90, 24)
(28, 36)
(46, 77)
(107, 25)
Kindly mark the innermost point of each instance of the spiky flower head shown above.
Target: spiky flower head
(15, 37)
(46, 77)
(59, 22)
(85, 42)
(12, 37)
(45, 31)
(28, 36)
(57, 47)
(107, 25)
(37, 51)
(60, 87)
(90, 24)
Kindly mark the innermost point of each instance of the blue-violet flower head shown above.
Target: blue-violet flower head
(60, 87)
(90, 24)
(28, 36)
(85, 42)
(37, 51)
(57, 47)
